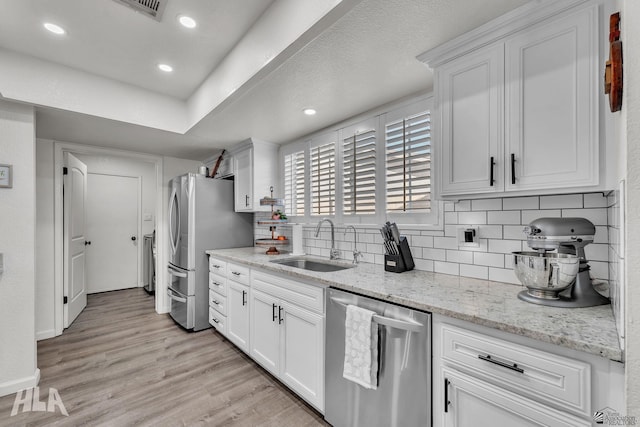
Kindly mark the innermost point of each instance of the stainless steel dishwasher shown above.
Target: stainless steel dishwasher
(403, 396)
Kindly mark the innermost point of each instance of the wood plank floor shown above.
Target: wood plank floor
(121, 364)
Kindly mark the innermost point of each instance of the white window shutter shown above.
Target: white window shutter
(359, 172)
(408, 164)
(294, 183)
(323, 179)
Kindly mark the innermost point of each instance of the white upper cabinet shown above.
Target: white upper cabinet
(517, 108)
(255, 172)
(552, 104)
(470, 90)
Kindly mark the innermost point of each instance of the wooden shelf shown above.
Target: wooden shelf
(271, 242)
(272, 221)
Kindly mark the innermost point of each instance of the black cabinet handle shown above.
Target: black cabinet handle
(280, 318)
(244, 297)
(133, 238)
(87, 242)
(446, 395)
(513, 168)
(492, 163)
(513, 367)
(273, 310)
(246, 200)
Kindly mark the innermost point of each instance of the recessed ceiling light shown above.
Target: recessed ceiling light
(309, 111)
(165, 67)
(55, 29)
(187, 21)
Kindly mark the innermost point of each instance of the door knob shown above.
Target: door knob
(133, 238)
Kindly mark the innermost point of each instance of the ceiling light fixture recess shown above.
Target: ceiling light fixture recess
(55, 29)
(187, 21)
(309, 111)
(165, 67)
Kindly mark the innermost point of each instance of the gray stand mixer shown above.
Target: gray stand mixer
(557, 279)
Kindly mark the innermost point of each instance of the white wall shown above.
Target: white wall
(17, 244)
(630, 17)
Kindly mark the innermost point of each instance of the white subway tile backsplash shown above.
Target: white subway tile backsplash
(490, 231)
(486, 205)
(446, 268)
(503, 275)
(423, 241)
(598, 216)
(488, 259)
(472, 218)
(500, 231)
(434, 254)
(521, 203)
(503, 217)
(461, 257)
(513, 232)
(475, 271)
(595, 200)
(445, 242)
(462, 205)
(562, 201)
(504, 246)
(528, 216)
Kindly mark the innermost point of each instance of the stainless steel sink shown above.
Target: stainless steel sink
(312, 265)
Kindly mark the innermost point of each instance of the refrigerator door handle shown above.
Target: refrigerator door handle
(175, 298)
(174, 272)
(173, 239)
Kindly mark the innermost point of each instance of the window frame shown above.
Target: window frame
(336, 133)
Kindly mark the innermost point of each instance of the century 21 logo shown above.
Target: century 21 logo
(30, 401)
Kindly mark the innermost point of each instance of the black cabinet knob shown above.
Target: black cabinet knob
(133, 238)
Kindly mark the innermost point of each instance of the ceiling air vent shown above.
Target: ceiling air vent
(151, 8)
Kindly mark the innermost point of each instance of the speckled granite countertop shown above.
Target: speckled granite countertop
(493, 304)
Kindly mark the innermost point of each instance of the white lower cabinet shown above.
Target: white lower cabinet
(471, 402)
(238, 314)
(287, 339)
(485, 377)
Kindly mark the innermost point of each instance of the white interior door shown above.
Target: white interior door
(75, 196)
(112, 229)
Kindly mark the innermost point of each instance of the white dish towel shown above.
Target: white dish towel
(361, 347)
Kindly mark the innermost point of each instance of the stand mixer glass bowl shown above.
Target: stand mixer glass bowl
(545, 274)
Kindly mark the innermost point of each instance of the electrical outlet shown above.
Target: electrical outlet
(468, 237)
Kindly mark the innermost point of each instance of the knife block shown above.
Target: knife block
(401, 262)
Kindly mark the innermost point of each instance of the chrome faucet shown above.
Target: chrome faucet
(334, 253)
(356, 252)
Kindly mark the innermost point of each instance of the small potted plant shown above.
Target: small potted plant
(278, 215)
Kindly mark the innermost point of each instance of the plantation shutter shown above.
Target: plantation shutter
(323, 179)
(294, 183)
(359, 162)
(408, 164)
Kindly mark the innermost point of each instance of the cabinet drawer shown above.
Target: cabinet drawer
(218, 321)
(300, 294)
(218, 283)
(542, 376)
(217, 266)
(218, 302)
(238, 273)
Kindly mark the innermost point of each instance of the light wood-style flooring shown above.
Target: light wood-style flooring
(121, 364)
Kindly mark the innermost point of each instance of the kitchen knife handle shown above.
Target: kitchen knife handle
(513, 168)
(492, 163)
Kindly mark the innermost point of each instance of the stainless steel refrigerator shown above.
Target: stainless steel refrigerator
(201, 217)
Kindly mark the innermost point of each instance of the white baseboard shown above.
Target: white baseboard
(44, 335)
(14, 386)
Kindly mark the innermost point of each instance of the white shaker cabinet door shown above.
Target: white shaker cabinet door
(265, 330)
(302, 353)
(238, 315)
(470, 95)
(243, 180)
(552, 84)
(473, 403)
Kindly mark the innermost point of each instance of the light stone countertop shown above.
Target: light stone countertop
(492, 304)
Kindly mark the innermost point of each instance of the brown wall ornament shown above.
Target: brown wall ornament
(613, 68)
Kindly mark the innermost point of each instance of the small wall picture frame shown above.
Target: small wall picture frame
(6, 176)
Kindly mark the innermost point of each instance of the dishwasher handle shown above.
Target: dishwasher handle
(388, 321)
